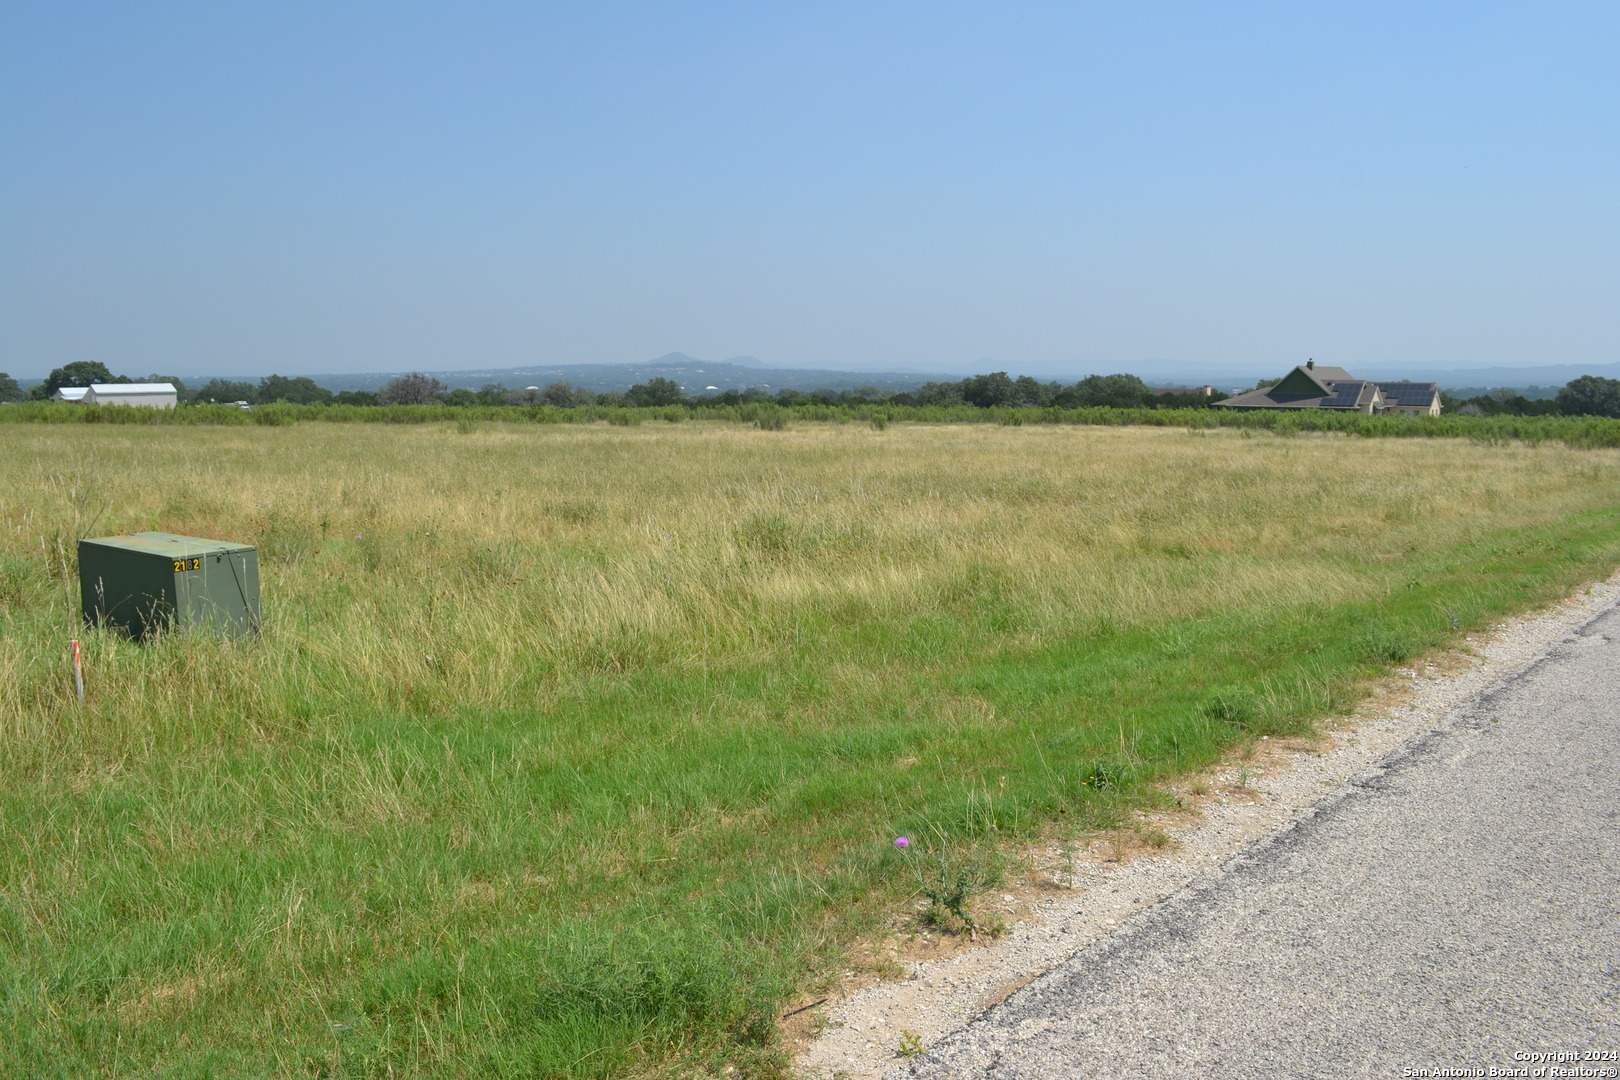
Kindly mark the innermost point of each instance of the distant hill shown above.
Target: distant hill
(1553, 375)
(1532, 392)
(693, 375)
(741, 372)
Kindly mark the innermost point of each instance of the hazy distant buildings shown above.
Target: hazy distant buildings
(1311, 387)
(152, 395)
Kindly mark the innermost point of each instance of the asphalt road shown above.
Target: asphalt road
(1457, 909)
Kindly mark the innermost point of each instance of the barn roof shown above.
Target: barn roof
(104, 389)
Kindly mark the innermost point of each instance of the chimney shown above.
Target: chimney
(1311, 364)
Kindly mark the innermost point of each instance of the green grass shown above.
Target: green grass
(578, 751)
(1581, 431)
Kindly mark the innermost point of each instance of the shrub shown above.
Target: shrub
(412, 389)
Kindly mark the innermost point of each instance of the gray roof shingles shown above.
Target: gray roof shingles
(1350, 394)
(1346, 392)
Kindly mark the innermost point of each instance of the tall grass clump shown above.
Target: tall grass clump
(574, 749)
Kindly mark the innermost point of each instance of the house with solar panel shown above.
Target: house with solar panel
(1311, 387)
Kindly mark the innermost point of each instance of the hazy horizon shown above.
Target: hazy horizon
(1045, 189)
(621, 376)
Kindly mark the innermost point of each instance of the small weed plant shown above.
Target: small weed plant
(948, 879)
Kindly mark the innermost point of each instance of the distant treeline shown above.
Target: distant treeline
(1588, 395)
(981, 391)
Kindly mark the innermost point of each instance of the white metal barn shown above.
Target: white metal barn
(158, 395)
(70, 393)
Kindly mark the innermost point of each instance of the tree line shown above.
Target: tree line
(994, 390)
(983, 391)
(1589, 395)
(78, 373)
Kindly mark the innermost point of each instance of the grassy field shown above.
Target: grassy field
(1583, 432)
(576, 751)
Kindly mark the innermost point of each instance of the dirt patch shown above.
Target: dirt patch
(161, 1000)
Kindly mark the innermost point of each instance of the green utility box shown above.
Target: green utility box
(151, 582)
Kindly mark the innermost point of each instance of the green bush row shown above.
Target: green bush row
(1578, 431)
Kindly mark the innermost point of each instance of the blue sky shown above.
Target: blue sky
(1046, 188)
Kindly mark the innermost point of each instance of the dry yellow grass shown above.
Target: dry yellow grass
(544, 718)
(437, 568)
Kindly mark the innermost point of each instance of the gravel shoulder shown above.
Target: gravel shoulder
(1069, 902)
